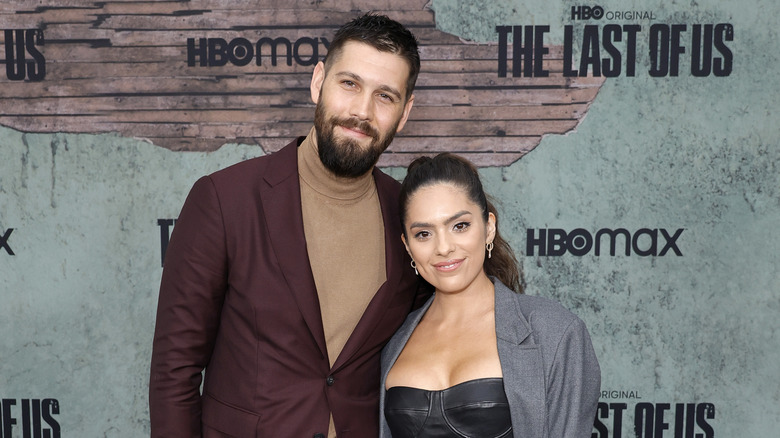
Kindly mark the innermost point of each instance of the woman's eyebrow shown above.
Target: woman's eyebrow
(450, 219)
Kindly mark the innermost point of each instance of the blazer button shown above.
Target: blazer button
(319, 435)
(330, 380)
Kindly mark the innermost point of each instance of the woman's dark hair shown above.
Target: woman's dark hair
(383, 34)
(452, 169)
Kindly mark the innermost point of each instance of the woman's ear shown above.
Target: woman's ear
(490, 228)
(403, 239)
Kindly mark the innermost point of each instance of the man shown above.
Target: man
(285, 274)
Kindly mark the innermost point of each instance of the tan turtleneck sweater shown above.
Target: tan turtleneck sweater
(344, 229)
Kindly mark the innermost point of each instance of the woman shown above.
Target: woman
(479, 359)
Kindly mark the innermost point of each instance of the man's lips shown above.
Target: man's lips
(355, 131)
(449, 265)
(356, 128)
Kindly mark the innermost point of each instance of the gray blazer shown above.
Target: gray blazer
(551, 375)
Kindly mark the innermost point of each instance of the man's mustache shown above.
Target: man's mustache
(361, 125)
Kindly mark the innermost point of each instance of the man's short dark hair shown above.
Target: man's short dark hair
(383, 34)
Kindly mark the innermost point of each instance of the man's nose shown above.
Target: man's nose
(362, 107)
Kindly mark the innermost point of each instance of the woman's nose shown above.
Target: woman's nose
(444, 244)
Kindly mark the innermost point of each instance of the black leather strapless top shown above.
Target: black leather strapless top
(474, 409)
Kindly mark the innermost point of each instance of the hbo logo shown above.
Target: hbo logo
(586, 12)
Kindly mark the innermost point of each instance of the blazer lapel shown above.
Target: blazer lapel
(398, 342)
(284, 218)
(394, 262)
(521, 364)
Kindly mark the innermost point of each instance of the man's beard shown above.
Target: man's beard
(346, 157)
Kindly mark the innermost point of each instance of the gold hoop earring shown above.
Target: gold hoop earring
(414, 265)
(489, 248)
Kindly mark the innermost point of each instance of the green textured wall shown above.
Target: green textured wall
(695, 153)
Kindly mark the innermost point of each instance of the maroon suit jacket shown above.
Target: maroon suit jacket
(238, 298)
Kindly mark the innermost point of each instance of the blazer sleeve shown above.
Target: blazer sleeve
(192, 290)
(574, 385)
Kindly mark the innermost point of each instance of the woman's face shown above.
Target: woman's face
(446, 236)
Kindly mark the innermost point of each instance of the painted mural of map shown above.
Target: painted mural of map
(195, 75)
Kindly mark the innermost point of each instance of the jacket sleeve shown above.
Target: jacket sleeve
(574, 385)
(192, 290)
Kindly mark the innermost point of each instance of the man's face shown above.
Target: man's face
(361, 104)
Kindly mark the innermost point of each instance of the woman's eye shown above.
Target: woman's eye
(461, 226)
(422, 235)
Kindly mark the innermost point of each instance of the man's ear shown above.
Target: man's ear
(405, 115)
(317, 78)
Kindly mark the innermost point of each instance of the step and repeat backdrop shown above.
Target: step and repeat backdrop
(632, 147)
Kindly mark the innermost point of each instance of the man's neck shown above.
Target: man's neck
(323, 180)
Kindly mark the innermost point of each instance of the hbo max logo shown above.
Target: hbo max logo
(587, 12)
(579, 242)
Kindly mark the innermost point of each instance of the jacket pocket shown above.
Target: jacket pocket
(228, 419)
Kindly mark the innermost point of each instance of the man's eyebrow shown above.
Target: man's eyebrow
(384, 87)
(450, 219)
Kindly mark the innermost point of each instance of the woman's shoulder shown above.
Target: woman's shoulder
(536, 310)
(530, 302)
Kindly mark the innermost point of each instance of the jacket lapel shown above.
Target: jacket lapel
(521, 364)
(283, 215)
(394, 262)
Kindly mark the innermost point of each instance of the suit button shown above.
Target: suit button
(319, 435)
(330, 380)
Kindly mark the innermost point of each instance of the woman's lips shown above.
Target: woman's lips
(449, 265)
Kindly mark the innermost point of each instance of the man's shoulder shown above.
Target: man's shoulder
(258, 167)
(379, 174)
(386, 184)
